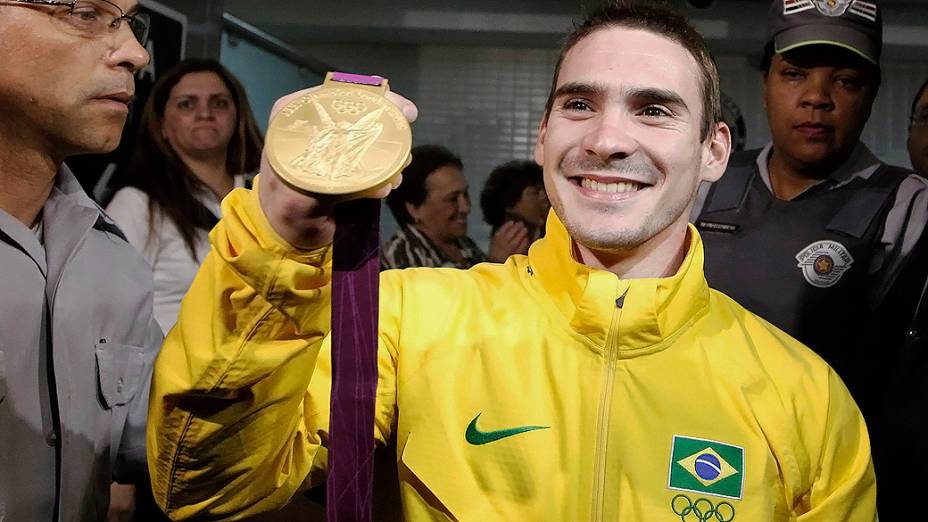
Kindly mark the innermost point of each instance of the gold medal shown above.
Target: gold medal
(344, 138)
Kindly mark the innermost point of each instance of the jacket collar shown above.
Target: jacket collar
(653, 310)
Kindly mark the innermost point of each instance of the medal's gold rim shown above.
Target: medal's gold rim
(325, 188)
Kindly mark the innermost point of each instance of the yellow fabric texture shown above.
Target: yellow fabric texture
(239, 408)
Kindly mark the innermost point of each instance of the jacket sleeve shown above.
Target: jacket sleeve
(843, 485)
(235, 425)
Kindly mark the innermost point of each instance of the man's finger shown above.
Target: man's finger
(407, 107)
(515, 230)
(506, 232)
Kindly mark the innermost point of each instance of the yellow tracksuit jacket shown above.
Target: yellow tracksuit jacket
(535, 390)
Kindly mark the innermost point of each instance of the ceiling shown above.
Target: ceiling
(535, 23)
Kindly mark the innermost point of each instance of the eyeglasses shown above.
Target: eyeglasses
(96, 17)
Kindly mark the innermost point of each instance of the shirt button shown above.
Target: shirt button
(51, 439)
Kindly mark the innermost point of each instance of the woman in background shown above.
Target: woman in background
(197, 141)
(515, 205)
(431, 207)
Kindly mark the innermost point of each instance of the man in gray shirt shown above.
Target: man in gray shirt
(77, 338)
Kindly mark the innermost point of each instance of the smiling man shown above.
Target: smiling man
(596, 378)
(78, 337)
(813, 232)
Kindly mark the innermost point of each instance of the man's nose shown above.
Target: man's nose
(464, 204)
(609, 138)
(817, 93)
(128, 52)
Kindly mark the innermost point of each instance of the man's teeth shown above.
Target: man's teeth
(609, 187)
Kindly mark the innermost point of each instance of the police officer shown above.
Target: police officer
(812, 232)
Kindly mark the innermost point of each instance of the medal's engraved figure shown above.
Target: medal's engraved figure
(337, 148)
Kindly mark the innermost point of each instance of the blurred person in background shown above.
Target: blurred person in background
(515, 205)
(918, 131)
(197, 141)
(431, 208)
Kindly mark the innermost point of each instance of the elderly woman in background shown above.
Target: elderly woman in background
(431, 208)
(515, 205)
(197, 141)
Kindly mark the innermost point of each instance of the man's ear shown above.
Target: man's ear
(413, 211)
(540, 142)
(715, 153)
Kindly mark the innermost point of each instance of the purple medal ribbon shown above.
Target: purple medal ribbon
(355, 300)
(359, 79)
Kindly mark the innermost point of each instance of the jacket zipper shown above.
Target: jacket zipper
(605, 406)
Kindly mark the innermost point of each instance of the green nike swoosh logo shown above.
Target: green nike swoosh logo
(474, 436)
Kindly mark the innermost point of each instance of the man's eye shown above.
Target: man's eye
(86, 15)
(653, 111)
(576, 105)
(792, 74)
(850, 83)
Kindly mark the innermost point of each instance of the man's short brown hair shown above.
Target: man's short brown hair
(625, 13)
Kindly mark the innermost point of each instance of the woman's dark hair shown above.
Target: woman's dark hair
(426, 159)
(504, 188)
(157, 170)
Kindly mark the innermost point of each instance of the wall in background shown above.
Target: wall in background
(480, 70)
(485, 103)
(886, 131)
(266, 75)
(204, 25)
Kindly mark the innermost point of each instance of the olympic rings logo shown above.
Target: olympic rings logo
(703, 510)
(348, 107)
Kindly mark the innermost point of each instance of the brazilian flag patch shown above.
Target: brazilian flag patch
(706, 466)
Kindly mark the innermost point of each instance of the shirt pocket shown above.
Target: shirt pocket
(2, 376)
(119, 372)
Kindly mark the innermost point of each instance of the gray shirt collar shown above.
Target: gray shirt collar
(67, 186)
(67, 193)
(860, 164)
